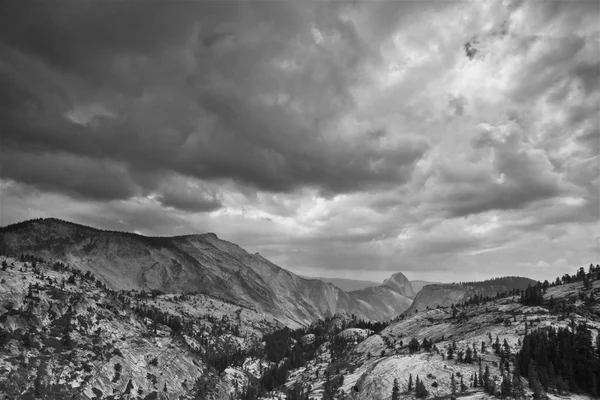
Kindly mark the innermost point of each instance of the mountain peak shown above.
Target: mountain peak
(396, 278)
(399, 283)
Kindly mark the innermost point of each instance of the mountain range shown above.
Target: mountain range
(65, 334)
(202, 263)
(91, 314)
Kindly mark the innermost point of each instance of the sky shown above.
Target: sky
(451, 141)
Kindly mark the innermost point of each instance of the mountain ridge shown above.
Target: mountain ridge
(446, 294)
(194, 263)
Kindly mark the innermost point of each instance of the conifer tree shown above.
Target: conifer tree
(395, 390)
(480, 374)
(420, 389)
(505, 386)
(452, 384)
(486, 379)
(468, 355)
(410, 383)
(534, 382)
(598, 347)
(413, 345)
(517, 385)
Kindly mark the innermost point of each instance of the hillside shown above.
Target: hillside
(418, 285)
(63, 333)
(434, 295)
(481, 345)
(194, 263)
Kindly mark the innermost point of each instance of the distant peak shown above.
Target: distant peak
(396, 277)
(399, 283)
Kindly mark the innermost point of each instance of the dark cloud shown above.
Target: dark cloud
(78, 177)
(189, 196)
(87, 37)
(183, 92)
(317, 133)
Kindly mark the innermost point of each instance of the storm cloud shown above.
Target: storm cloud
(333, 137)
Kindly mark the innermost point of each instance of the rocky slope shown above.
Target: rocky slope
(418, 285)
(369, 366)
(64, 335)
(196, 263)
(443, 295)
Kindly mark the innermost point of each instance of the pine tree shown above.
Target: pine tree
(395, 390)
(410, 383)
(506, 348)
(468, 355)
(598, 347)
(66, 338)
(420, 390)
(517, 386)
(328, 388)
(552, 382)
(463, 387)
(129, 387)
(413, 345)
(534, 383)
(486, 379)
(452, 384)
(480, 374)
(506, 386)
